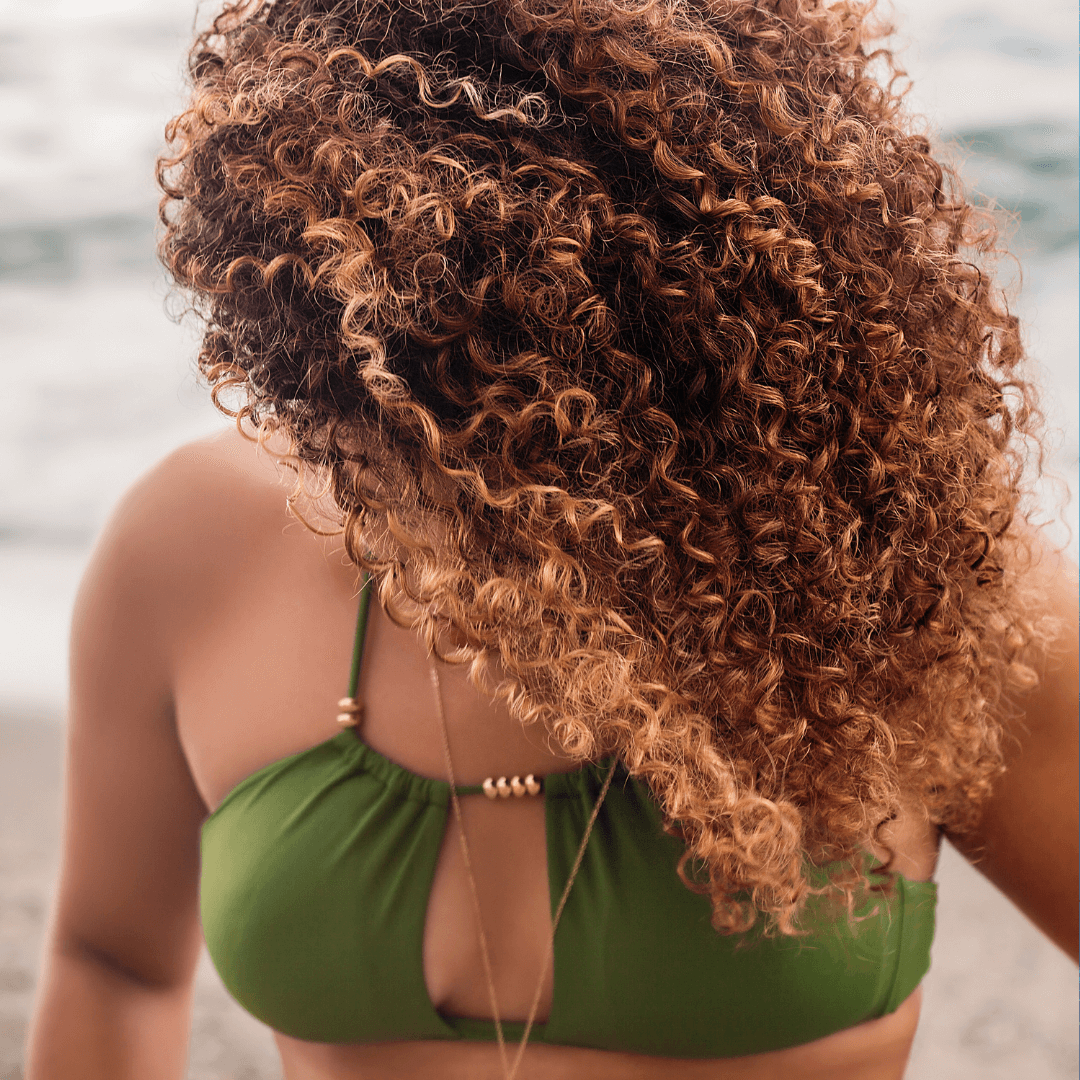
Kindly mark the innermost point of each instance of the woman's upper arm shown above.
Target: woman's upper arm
(128, 892)
(1027, 840)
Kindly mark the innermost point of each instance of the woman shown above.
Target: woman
(631, 357)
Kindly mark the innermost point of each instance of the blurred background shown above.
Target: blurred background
(97, 383)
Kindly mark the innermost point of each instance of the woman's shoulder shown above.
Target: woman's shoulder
(1026, 841)
(135, 806)
(220, 490)
(190, 532)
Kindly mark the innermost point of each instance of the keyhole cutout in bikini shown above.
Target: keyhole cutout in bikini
(507, 837)
(508, 850)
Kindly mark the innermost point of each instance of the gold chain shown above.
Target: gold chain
(509, 1071)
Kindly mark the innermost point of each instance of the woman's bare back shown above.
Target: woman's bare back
(260, 648)
(212, 636)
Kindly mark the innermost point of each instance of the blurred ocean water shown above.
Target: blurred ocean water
(96, 382)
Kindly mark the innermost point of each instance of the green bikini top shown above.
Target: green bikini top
(316, 872)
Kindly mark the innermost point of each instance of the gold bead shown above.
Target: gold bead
(489, 788)
(502, 787)
(352, 712)
(532, 785)
(517, 787)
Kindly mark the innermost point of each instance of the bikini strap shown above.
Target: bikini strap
(351, 704)
(361, 633)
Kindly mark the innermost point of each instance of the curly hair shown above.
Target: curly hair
(645, 350)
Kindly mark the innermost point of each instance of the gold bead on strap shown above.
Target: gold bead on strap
(352, 712)
(516, 786)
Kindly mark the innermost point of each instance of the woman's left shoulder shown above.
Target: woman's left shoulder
(1026, 841)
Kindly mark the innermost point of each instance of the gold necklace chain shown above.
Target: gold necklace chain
(509, 1070)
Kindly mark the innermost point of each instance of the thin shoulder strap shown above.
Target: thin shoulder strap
(349, 718)
(361, 633)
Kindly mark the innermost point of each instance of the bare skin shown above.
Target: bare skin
(212, 636)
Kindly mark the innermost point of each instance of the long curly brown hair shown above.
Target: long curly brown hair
(643, 345)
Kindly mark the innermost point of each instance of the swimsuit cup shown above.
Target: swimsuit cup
(316, 872)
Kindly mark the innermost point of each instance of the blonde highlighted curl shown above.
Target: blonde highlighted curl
(641, 348)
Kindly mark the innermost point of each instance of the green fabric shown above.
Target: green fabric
(361, 634)
(315, 880)
(316, 873)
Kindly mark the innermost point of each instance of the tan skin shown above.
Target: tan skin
(212, 636)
